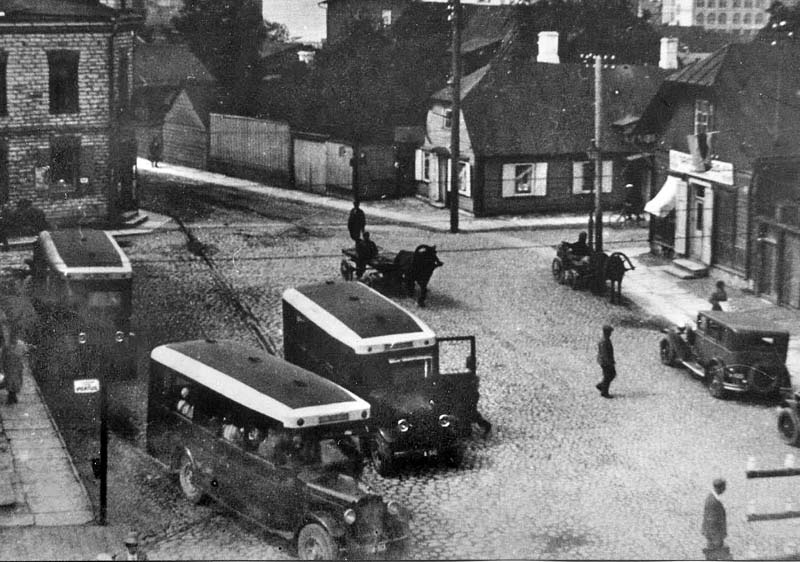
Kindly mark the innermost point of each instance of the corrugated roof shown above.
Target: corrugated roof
(703, 72)
(538, 108)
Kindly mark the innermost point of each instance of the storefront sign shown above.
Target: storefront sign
(682, 162)
(86, 386)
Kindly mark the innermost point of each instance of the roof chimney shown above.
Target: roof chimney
(548, 47)
(669, 53)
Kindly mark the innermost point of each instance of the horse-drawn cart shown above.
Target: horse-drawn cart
(393, 268)
(591, 271)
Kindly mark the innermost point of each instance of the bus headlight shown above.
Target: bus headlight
(393, 507)
(350, 516)
(403, 425)
(445, 420)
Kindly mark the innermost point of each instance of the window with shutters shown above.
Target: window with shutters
(525, 179)
(3, 95)
(63, 66)
(583, 177)
(65, 161)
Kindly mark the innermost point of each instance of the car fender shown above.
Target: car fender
(682, 349)
(387, 434)
(334, 526)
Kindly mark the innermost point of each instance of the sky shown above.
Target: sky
(304, 18)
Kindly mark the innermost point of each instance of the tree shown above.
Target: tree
(227, 35)
(783, 25)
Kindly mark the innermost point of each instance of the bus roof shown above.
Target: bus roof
(85, 254)
(262, 382)
(360, 317)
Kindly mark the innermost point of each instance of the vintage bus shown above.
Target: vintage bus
(272, 441)
(81, 288)
(356, 337)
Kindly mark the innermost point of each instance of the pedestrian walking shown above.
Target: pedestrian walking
(605, 357)
(719, 295)
(715, 525)
(132, 550)
(14, 360)
(356, 222)
(155, 150)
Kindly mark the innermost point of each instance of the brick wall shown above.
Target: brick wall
(29, 126)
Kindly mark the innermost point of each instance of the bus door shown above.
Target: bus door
(457, 379)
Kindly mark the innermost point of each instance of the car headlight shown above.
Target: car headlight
(445, 420)
(403, 426)
(350, 516)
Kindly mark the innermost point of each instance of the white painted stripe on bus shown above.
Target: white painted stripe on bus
(55, 259)
(339, 330)
(250, 398)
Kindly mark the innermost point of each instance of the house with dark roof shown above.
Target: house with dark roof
(526, 128)
(66, 138)
(728, 166)
(160, 72)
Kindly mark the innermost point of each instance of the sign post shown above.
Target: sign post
(90, 386)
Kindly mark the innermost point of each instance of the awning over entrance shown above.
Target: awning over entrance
(664, 201)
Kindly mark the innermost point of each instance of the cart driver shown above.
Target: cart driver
(365, 251)
(580, 250)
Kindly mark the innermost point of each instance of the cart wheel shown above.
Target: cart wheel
(558, 270)
(347, 270)
(789, 426)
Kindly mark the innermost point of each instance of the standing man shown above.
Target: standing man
(155, 150)
(719, 295)
(715, 526)
(605, 356)
(357, 222)
(14, 360)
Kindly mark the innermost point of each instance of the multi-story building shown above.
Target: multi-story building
(342, 13)
(741, 16)
(65, 85)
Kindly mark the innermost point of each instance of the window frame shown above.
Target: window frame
(447, 119)
(63, 77)
(606, 182)
(59, 145)
(703, 116)
(537, 179)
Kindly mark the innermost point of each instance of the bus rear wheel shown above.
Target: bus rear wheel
(186, 470)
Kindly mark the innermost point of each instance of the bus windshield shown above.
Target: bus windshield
(409, 370)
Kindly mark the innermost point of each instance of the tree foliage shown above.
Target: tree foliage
(783, 25)
(606, 27)
(226, 35)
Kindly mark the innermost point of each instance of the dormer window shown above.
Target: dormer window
(703, 116)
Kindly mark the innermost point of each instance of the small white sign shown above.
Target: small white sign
(720, 172)
(86, 386)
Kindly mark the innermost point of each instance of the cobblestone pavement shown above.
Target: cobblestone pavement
(565, 474)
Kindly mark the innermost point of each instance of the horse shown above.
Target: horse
(614, 270)
(417, 267)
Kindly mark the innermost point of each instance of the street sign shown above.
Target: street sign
(86, 386)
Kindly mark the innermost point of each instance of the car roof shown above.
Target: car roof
(360, 317)
(84, 253)
(745, 321)
(262, 382)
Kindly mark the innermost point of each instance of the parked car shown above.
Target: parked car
(274, 442)
(733, 352)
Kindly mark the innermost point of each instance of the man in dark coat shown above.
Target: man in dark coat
(715, 526)
(366, 250)
(155, 151)
(719, 295)
(605, 357)
(357, 222)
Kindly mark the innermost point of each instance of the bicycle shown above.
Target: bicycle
(626, 215)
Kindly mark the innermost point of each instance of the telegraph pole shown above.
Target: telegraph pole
(455, 115)
(598, 155)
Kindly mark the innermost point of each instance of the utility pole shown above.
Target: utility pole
(455, 114)
(598, 155)
(354, 162)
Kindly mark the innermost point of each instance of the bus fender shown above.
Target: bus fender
(335, 527)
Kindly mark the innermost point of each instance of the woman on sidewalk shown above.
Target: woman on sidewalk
(14, 362)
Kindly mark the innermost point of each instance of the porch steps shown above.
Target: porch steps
(131, 219)
(687, 269)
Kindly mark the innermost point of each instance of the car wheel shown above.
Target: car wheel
(315, 543)
(761, 381)
(453, 456)
(382, 457)
(716, 384)
(667, 353)
(789, 426)
(190, 489)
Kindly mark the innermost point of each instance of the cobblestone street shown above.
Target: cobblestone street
(565, 474)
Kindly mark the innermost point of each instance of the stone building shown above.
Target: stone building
(65, 85)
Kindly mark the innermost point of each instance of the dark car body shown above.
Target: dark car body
(733, 352)
(314, 497)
